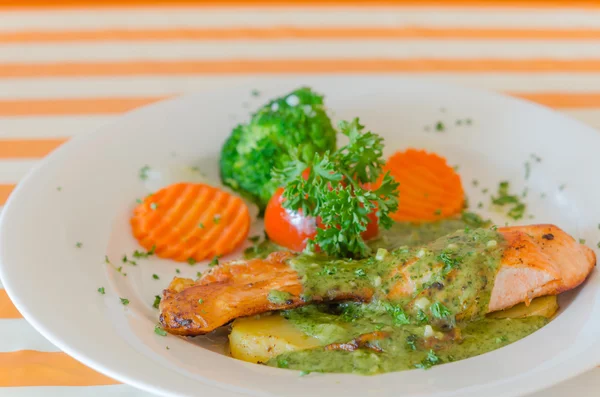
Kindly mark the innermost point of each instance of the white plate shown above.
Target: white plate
(54, 284)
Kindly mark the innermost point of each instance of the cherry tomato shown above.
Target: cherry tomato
(287, 228)
(372, 227)
(292, 230)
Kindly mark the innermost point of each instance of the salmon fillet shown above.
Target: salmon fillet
(537, 260)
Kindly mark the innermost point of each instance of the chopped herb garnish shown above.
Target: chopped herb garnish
(439, 126)
(562, 187)
(527, 169)
(118, 269)
(191, 261)
(177, 271)
(458, 122)
(411, 341)
(200, 301)
(431, 360)
(155, 276)
(255, 93)
(217, 219)
(254, 239)
(502, 339)
(516, 206)
(124, 301)
(422, 317)
(59, 188)
(304, 373)
(201, 225)
(144, 172)
(214, 262)
(101, 290)
(139, 201)
(153, 206)
(126, 260)
(144, 255)
(78, 245)
(439, 311)
(598, 245)
(480, 205)
(360, 273)
(397, 313)
(475, 182)
(329, 270)
(484, 191)
(198, 274)
(449, 262)
(468, 121)
(437, 212)
(581, 241)
(156, 301)
(158, 330)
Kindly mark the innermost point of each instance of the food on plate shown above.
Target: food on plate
(332, 204)
(367, 266)
(439, 293)
(294, 124)
(472, 272)
(258, 339)
(190, 222)
(545, 306)
(429, 188)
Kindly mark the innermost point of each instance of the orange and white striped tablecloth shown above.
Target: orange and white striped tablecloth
(66, 71)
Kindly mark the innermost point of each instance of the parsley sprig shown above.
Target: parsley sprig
(335, 191)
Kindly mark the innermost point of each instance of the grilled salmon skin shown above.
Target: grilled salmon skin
(537, 260)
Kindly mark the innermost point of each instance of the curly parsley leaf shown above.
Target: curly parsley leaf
(334, 190)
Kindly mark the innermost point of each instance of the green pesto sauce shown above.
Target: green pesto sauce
(452, 275)
(405, 347)
(412, 234)
(278, 297)
(441, 320)
(261, 249)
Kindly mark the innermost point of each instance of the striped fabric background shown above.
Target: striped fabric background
(65, 71)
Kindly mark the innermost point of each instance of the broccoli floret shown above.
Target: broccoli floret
(296, 122)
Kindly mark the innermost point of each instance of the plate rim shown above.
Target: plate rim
(152, 388)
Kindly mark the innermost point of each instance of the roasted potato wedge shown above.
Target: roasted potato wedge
(257, 339)
(545, 306)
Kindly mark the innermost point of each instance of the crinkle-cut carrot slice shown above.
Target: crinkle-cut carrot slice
(429, 188)
(188, 221)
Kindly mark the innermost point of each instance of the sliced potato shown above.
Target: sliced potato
(545, 306)
(257, 339)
